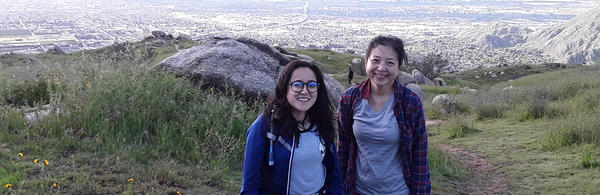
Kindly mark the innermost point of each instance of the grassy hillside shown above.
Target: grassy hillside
(489, 76)
(120, 120)
(543, 132)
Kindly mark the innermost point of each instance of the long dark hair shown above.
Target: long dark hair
(320, 113)
(388, 40)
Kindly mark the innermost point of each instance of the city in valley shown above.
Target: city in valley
(34, 26)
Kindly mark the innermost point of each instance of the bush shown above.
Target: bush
(557, 110)
(432, 91)
(165, 115)
(458, 128)
(534, 110)
(28, 93)
(489, 111)
(588, 101)
(444, 169)
(589, 160)
(575, 129)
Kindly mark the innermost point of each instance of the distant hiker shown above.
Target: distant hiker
(350, 75)
(290, 147)
(382, 143)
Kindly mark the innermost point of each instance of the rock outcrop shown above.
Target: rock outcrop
(159, 34)
(445, 102)
(468, 90)
(417, 89)
(405, 78)
(243, 64)
(420, 78)
(439, 82)
(35, 115)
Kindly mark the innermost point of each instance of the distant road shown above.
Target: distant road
(304, 19)
(32, 34)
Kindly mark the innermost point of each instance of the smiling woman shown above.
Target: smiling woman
(382, 134)
(290, 147)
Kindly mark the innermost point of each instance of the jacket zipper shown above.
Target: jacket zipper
(290, 165)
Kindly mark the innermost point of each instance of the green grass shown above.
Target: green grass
(120, 119)
(445, 171)
(516, 147)
(330, 61)
(490, 76)
(544, 133)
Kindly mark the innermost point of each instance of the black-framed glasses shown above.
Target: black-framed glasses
(298, 86)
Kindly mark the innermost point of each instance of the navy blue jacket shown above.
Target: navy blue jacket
(260, 178)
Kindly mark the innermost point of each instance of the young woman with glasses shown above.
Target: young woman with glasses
(290, 147)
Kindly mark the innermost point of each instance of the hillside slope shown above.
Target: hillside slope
(575, 41)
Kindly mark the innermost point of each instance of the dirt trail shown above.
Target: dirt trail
(484, 177)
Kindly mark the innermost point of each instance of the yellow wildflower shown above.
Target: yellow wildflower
(8, 185)
(89, 85)
(178, 192)
(72, 156)
(25, 123)
(212, 89)
(130, 180)
(35, 161)
(46, 162)
(54, 185)
(20, 154)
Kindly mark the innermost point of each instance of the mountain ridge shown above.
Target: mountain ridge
(574, 41)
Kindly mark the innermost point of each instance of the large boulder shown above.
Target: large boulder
(445, 102)
(358, 67)
(417, 89)
(243, 64)
(159, 34)
(37, 114)
(405, 78)
(420, 78)
(439, 82)
(468, 90)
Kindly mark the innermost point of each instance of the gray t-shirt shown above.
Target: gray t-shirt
(308, 170)
(379, 164)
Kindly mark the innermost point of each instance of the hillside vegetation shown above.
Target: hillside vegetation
(119, 120)
(542, 130)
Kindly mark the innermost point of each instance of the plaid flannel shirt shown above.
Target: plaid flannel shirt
(409, 113)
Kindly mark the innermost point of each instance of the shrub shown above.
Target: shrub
(28, 93)
(557, 110)
(575, 129)
(165, 115)
(534, 110)
(444, 169)
(458, 128)
(435, 90)
(489, 111)
(588, 101)
(588, 160)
